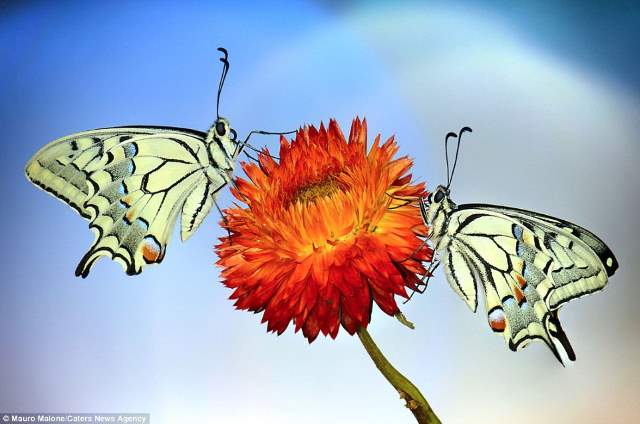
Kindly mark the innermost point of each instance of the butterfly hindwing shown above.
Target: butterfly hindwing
(527, 267)
(131, 183)
(196, 206)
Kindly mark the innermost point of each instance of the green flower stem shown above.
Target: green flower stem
(416, 403)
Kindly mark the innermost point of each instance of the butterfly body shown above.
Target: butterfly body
(222, 150)
(527, 264)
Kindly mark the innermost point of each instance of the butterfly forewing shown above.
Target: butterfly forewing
(60, 167)
(603, 252)
(131, 183)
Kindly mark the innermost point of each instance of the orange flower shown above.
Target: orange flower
(326, 231)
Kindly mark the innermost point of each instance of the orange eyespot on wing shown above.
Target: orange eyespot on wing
(151, 249)
(497, 320)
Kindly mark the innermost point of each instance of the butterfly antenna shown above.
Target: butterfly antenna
(446, 152)
(223, 76)
(455, 162)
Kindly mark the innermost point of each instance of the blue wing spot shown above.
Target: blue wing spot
(517, 232)
(143, 223)
(131, 149)
(509, 302)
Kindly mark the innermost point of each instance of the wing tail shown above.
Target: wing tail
(558, 335)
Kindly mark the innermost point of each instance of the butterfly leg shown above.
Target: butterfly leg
(425, 278)
(238, 191)
(251, 157)
(224, 218)
(424, 242)
(405, 200)
(424, 281)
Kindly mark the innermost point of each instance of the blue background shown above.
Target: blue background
(551, 91)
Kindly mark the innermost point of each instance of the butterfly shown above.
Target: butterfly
(528, 264)
(132, 182)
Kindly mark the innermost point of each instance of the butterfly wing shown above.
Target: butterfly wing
(527, 266)
(130, 183)
(534, 219)
(61, 167)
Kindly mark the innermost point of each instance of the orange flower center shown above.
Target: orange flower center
(312, 191)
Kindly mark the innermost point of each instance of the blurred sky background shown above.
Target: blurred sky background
(550, 89)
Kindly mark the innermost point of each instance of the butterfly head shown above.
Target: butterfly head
(221, 131)
(440, 195)
(435, 209)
